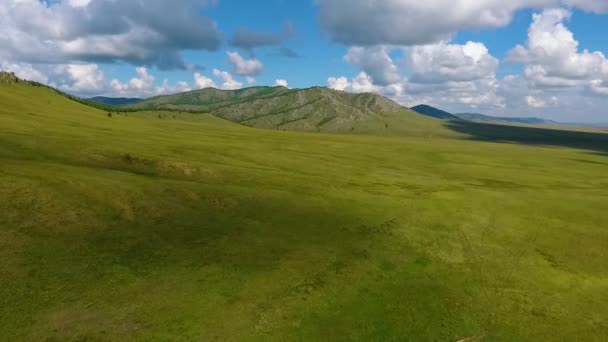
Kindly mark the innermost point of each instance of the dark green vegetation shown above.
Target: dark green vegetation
(114, 101)
(314, 109)
(165, 226)
(434, 112)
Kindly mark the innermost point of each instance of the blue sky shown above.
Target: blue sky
(518, 58)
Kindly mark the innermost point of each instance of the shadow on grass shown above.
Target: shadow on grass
(592, 141)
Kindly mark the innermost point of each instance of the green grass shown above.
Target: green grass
(137, 227)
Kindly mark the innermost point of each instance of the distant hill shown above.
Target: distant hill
(434, 112)
(312, 109)
(496, 119)
(114, 101)
(443, 115)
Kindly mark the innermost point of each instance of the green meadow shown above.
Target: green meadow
(165, 226)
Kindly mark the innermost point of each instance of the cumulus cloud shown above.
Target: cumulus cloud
(152, 33)
(144, 85)
(375, 62)
(338, 83)
(451, 74)
(552, 55)
(178, 87)
(442, 74)
(443, 62)
(535, 102)
(244, 67)
(415, 22)
(86, 78)
(599, 87)
(362, 83)
(281, 83)
(228, 82)
(202, 82)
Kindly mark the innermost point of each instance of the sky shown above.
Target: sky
(516, 58)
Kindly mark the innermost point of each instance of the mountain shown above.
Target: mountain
(434, 112)
(114, 101)
(312, 109)
(496, 119)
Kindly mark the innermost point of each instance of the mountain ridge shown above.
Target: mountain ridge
(476, 117)
(114, 101)
(281, 108)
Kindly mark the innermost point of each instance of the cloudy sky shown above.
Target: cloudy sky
(502, 57)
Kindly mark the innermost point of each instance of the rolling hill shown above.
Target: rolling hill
(434, 112)
(169, 226)
(474, 117)
(114, 101)
(313, 109)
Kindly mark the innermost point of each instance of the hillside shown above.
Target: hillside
(434, 112)
(314, 109)
(153, 226)
(114, 101)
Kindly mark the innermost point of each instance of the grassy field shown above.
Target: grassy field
(146, 226)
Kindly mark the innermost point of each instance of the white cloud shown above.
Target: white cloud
(228, 83)
(79, 3)
(86, 78)
(599, 87)
(244, 67)
(145, 86)
(202, 82)
(439, 73)
(415, 22)
(438, 63)
(452, 74)
(250, 80)
(340, 83)
(552, 56)
(282, 83)
(179, 87)
(535, 102)
(154, 32)
(362, 83)
(375, 62)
